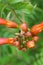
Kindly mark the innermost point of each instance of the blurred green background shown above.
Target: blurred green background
(30, 11)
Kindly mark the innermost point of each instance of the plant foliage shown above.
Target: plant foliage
(33, 14)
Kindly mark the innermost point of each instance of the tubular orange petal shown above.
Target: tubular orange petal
(3, 41)
(36, 29)
(2, 21)
(11, 24)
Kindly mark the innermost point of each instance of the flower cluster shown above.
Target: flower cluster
(26, 38)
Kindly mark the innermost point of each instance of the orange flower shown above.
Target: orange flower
(11, 24)
(36, 29)
(6, 41)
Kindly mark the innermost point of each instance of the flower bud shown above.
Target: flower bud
(23, 49)
(24, 27)
(30, 44)
(35, 38)
(16, 43)
(28, 34)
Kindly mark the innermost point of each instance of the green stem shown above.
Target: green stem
(14, 12)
